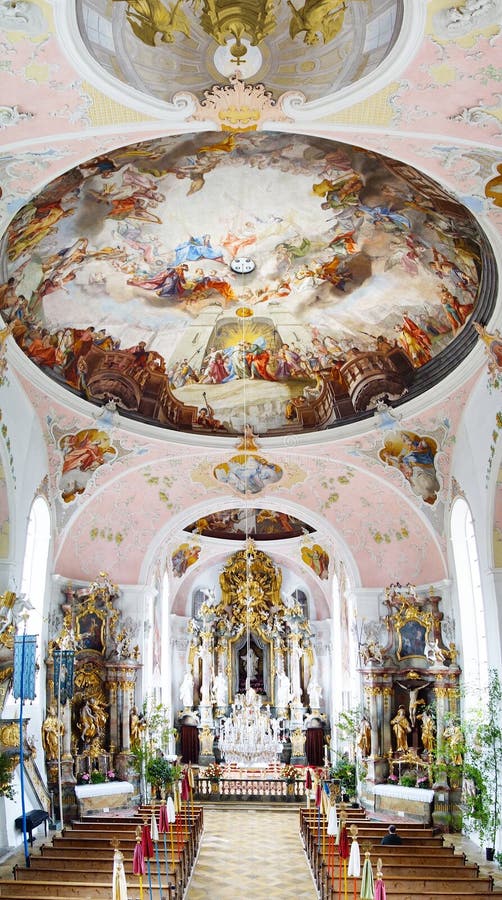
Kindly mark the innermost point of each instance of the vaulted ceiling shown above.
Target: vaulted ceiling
(242, 296)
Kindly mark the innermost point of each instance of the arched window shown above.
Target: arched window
(36, 554)
(300, 597)
(199, 597)
(470, 597)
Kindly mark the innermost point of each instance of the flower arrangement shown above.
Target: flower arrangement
(110, 775)
(423, 781)
(291, 773)
(97, 777)
(392, 779)
(408, 779)
(84, 778)
(214, 771)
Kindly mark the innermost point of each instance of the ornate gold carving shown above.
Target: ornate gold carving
(9, 735)
(147, 20)
(298, 742)
(250, 586)
(373, 691)
(317, 18)
(441, 692)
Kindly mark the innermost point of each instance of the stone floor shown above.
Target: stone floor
(251, 853)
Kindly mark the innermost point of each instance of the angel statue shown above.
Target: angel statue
(148, 18)
(317, 18)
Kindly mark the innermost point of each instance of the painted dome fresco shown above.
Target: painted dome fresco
(160, 48)
(241, 523)
(209, 281)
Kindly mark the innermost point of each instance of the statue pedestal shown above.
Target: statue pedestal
(67, 776)
(377, 769)
(206, 715)
(296, 713)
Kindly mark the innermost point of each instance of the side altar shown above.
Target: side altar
(250, 691)
(410, 724)
(92, 667)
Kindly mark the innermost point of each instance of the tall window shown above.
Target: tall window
(470, 597)
(36, 554)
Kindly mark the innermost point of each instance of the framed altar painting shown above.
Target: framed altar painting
(90, 631)
(412, 636)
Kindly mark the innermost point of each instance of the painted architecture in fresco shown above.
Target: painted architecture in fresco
(125, 280)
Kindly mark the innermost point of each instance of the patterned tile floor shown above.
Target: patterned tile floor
(251, 854)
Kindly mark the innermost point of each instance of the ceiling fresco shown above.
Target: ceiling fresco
(161, 48)
(207, 282)
(241, 522)
(212, 282)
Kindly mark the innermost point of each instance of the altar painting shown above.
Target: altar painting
(411, 639)
(90, 631)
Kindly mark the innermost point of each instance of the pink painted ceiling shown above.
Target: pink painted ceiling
(122, 493)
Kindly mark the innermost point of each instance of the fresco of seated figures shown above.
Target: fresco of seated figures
(238, 524)
(205, 281)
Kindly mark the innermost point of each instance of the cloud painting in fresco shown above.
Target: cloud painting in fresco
(120, 283)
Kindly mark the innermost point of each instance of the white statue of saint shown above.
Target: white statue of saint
(251, 664)
(315, 693)
(186, 689)
(220, 688)
(283, 690)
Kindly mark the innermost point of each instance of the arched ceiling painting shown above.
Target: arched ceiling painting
(239, 523)
(205, 282)
(218, 283)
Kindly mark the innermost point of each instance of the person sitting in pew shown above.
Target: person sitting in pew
(392, 837)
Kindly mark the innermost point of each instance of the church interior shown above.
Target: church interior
(250, 486)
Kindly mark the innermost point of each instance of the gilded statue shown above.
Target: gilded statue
(250, 585)
(315, 18)
(137, 726)
(401, 728)
(428, 739)
(92, 720)
(454, 738)
(52, 730)
(148, 18)
(364, 737)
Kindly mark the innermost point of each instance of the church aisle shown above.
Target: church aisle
(253, 854)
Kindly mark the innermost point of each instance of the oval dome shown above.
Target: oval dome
(209, 282)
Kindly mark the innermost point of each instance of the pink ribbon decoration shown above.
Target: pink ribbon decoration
(138, 861)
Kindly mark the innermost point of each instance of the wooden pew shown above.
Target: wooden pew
(421, 868)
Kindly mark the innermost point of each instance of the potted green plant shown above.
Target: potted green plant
(482, 800)
(344, 771)
(160, 773)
